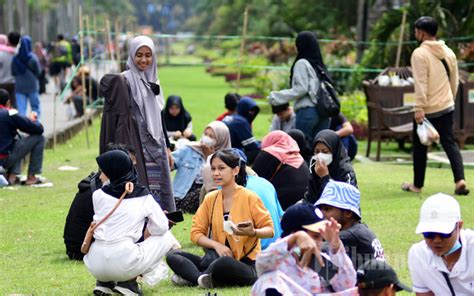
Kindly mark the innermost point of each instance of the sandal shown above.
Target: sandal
(36, 182)
(461, 190)
(407, 187)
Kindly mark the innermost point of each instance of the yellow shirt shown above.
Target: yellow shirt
(246, 206)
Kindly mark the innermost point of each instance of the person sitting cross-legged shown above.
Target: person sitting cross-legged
(14, 148)
(229, 225)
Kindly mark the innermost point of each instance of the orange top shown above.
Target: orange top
(246, 206)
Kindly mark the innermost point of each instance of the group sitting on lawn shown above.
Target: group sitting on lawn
(238, 188)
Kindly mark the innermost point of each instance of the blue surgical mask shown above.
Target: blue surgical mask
(456, 247)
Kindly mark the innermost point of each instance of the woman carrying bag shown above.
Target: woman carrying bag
(304, 86)
(229, 225)
(115, 258)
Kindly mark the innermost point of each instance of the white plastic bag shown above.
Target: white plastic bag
(159, 273)
(427, 133)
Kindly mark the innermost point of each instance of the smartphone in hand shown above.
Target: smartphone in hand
(175, 216)
(244, 224)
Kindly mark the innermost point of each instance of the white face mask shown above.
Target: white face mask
(228, 224)
(324, 157)
(208, 141)
(106, 183)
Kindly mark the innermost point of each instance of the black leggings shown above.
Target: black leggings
(225, 271)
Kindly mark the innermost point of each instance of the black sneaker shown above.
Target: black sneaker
(104, 288)
(128, 288)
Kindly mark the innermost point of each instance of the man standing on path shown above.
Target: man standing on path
(435, 72)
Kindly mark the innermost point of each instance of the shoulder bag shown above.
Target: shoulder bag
(90, 232)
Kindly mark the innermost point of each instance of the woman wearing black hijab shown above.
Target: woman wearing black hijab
(115, 258)
(178, 121)
(329, 162)
(305, 148)
(304, 85)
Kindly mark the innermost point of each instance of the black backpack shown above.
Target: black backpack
(328, 103)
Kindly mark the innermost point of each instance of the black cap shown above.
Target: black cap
(378, 274)
(279, 108)
(300, 216)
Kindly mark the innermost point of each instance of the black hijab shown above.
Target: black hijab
(300, 139)
(341, 163)
(308, 48)
(179, 122)
(118, 167)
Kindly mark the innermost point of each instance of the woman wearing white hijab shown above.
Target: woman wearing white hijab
(147, 95)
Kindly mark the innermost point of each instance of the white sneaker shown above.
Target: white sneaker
(205, 281)
(179, 281)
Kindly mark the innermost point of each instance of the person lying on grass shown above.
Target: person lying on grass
(229, 225)
(289, 266)
(115, 258)
(341, 201)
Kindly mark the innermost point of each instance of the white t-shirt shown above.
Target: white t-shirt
(128, 220)
(425, 268)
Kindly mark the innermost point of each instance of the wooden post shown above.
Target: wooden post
(83, 76)
(89, 55)
(55, 97)
(400, 39)
(116, 44)
(242, 46)
(109, 41)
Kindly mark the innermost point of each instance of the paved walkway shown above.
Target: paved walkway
(63, 123)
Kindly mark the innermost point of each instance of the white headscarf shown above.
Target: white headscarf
(150, 105)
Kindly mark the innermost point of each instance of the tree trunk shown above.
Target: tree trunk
(361, 28)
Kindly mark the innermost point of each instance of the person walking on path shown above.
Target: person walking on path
(304, 85)
(435, 72)
(26, 70)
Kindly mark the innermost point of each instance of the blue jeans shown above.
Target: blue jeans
(309, 122)
(22, 102)
(33, 144)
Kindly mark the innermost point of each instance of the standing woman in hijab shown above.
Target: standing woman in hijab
(304, 85)
(329, 162)
(280, 162)
(147, 104)
(178, 121)
(115, 258)
(26, 69)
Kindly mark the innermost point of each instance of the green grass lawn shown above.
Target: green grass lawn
(33, 260)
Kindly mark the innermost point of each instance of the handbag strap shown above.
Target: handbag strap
(448, 281)
(276, 171)
(446, 67)
(128, 189)
(212, 214)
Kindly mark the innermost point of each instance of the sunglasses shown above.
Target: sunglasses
(432, 235)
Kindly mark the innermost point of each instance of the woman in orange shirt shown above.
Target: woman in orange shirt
(229, 224)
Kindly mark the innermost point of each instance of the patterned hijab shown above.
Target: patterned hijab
(150, 105)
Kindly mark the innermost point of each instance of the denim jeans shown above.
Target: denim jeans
(309, 122)
(22, 102)
(33, 144)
